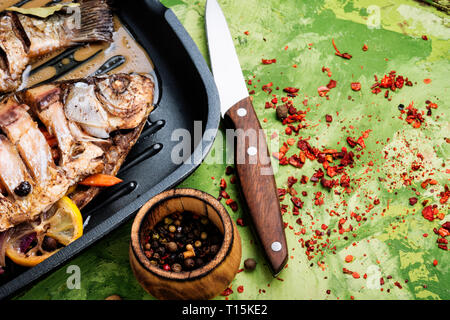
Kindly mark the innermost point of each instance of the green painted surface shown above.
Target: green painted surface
(389, 243)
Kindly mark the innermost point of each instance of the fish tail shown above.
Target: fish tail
(96, 23)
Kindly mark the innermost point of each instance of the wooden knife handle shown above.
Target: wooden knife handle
(258, 183)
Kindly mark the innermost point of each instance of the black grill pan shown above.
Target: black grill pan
(187, 94)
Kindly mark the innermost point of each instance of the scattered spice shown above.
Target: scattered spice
(338, 53)
(268, 61)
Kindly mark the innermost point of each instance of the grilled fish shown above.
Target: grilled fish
(55, 135)
(24, 38)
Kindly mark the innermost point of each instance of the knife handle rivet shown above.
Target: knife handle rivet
(276, 246)
(241, 112)
(252, 151)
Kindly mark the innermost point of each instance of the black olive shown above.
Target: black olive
(401, 106)
(23, 189)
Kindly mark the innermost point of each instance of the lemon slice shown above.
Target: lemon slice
(66, 225)
(28, 245)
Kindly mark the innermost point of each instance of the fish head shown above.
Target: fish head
(106, 104)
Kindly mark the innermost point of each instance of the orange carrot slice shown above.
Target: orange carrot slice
(100, 180)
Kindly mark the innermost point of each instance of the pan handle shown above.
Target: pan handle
(156, 6)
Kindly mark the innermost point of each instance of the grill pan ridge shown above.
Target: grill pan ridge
(187, 93)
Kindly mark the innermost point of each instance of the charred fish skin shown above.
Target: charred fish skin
(24, 38)
(68, 112)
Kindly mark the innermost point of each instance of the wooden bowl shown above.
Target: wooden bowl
(199, 284)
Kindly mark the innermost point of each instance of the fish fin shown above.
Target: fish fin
(96, 22)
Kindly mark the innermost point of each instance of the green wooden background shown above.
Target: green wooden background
(385, 245)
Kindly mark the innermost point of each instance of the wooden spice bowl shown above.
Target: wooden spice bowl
(203, 283)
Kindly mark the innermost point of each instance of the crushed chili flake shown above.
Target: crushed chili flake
(338, 53)
(268, 61)
(391, 81)
(227, 292)
(428, 213)
(365, 47)
(356, 86)
(332, 84)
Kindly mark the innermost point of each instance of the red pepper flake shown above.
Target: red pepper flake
(291, 90)
(346, 271)
(227, 292)
(166, 267)
(435, 262)
(356, 86)
(391, 81)
(232, 204)
(328, 118)
(424, 37)
(413, 116)
(240, 289)
(427, 213)
(398, 285)
(331, 84)
(355, 275)
(246, 33)
(268, 61)
(365, 47)
(427, 81)
(446, 226)
(413, 201)
(223, 184)
(338, 53)
(349, 258)
(322, 90)
(240, 222)
(297, 202)
(351, 142)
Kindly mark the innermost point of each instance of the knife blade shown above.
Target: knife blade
(252, 158)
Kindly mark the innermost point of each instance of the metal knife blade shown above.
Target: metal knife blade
(252, 159)
(225, 65)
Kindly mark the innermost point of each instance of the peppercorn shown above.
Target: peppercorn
(172, 246)
(167, 220)
(180, 237)
(282, 112)
(176, 267)
(250, 264)
(199, 261)
(49, 244)
(189, 263)
(214, 249)
(23, 189)
(401, 106)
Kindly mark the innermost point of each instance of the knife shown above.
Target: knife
(251, 156)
